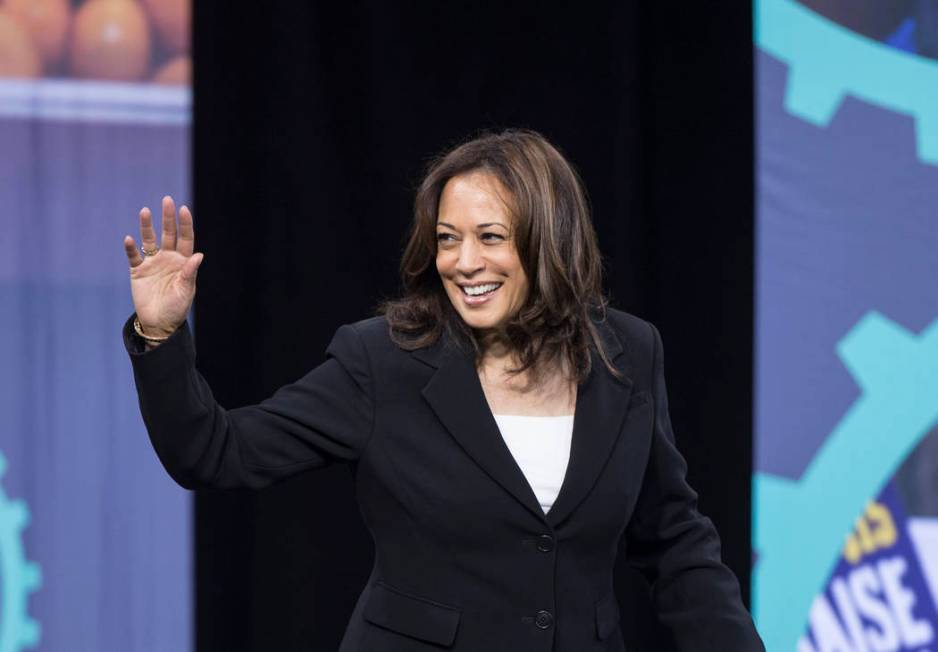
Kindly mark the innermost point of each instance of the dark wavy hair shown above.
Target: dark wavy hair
(555, 241)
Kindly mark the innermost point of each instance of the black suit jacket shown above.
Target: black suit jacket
(465, 558)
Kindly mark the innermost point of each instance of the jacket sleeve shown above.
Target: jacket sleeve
(677, 549)
(326, 416)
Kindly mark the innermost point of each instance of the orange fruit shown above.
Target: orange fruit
(47, 22)
(19, 56)
(171, 18)
(110, 40)
(176, 72)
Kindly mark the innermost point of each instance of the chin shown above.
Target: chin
(478, 319)
(480, 323)
(483, 322)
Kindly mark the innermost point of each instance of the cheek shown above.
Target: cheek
(521, 285)
(520, 289)
(516, 270)
(444, 267)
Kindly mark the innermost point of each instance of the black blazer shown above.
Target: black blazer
(465, 558)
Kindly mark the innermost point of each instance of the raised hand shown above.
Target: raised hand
(163, 281)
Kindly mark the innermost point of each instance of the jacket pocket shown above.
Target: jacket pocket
(412, 616)
(607, 616)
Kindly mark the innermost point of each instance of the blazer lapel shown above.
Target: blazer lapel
(455, 395)
(601, 404)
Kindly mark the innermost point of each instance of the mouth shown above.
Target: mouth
(479, 293)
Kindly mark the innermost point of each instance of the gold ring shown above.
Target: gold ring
(150, 253)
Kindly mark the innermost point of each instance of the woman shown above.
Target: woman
(496, 515)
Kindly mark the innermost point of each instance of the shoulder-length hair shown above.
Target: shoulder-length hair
(555, 241)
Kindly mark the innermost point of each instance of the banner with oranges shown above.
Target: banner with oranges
(95, 540)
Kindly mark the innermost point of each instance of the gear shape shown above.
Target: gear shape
(897, 372)
(827, 62)
(18, 577)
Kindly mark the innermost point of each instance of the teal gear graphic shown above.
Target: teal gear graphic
(827, 62)
(18, 577)
(800, 524)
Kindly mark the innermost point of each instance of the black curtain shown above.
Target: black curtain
(313, 122)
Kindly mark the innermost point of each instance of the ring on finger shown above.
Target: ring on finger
(150, 252)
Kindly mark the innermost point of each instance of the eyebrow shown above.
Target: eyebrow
(478, 226)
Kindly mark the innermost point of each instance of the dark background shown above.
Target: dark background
(313, 122)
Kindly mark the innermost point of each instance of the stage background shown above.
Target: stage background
(95, 541)
(846, 489)
(312, 124)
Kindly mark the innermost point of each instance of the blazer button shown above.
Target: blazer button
(545, 543)
(544, 619)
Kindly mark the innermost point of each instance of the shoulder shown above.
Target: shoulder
(637, 335)
(368, 346)
(355, 345)
(364, 335)
(640, 342)
(372, 330)
(625, 323)
(369, 337)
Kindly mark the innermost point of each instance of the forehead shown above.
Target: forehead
(472, 198)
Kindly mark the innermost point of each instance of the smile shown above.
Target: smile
(479, 290)
(476, 294)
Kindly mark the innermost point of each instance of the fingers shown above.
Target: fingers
(133, 254)
(186, 242)
(190, 268)
(147, 234)
(168, 235)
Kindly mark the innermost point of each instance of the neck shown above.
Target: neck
(498, 358)
(494, 345)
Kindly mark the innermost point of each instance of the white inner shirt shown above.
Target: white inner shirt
(541, 447)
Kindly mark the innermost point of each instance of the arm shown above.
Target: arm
(678, 550)
(325, 416)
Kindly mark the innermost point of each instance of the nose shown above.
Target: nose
(470, 259)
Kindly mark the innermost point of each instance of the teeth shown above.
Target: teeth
(480, 289)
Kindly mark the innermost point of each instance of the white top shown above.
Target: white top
(541, 447)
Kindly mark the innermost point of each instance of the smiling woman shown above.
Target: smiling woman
(509, 432)
(502, 224)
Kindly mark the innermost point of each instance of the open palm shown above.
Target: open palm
(163, 284)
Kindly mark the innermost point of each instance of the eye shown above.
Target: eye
(445, 237)
(491, 237)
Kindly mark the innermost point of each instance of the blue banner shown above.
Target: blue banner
(846, 325)
(95, 540)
